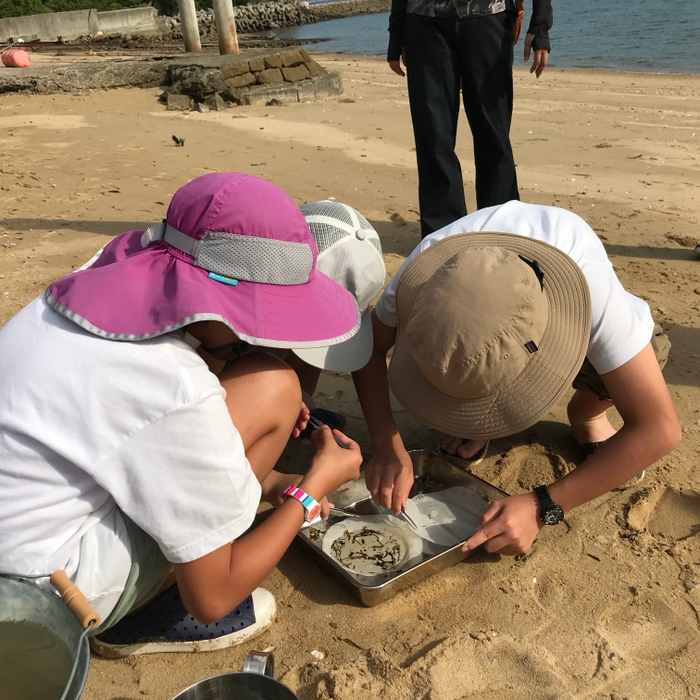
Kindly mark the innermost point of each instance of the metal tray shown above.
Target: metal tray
(355, 498)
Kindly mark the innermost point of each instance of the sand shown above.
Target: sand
(605, 606)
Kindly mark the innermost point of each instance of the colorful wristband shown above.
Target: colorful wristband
(312, 507)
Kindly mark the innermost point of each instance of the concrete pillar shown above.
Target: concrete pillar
(225, 26)
(188, 22)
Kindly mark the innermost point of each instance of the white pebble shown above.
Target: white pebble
(319, 655)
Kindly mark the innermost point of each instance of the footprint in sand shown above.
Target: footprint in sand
(645, 628)
(499, 669)
(523, 468)
(669, 514)
(645, 682)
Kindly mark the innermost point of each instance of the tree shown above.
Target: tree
(19, 8)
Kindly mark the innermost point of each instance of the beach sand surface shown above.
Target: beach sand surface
(606, 606)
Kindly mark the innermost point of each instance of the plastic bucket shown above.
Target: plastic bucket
(24, 602)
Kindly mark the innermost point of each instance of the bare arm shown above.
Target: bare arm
(389, 473)
(214, 584)
(651, 430)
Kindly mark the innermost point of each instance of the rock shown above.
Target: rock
(274, 102)
(178, 102)
(305, 56)
(199, 82)
(296, 73)
(347, 100)
(291, 58)
(273, 61)
(201, 108)
(233, 95)
(215, 102)
(269, 76)
(314, 68)
(256, 64)
(231, 70)
(241, 81)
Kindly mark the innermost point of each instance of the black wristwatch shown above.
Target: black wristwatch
(550, 512)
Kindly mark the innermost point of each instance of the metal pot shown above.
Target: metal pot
(256, 682)
(24, 602)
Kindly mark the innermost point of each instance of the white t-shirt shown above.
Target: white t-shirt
(621, 323)
(90, 427)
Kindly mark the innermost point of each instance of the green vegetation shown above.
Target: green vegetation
(18, 8)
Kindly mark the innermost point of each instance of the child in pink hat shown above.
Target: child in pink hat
(126, 461)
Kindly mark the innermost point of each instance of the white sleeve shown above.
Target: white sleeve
(185, 480)
(386, 306)
(622, 324)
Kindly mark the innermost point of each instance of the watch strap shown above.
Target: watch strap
(545, 500)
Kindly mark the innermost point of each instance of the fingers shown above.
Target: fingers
(402, 487)
(302, 420)
(490, 513)
(543, 58)
(349, 442)
(386, 490)
(322, 437)
(396, 67)
(483, 534)
(372, 481)
(325, 508)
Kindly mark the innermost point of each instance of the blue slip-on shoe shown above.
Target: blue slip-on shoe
(166, 626)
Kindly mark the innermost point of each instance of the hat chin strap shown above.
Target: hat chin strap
(165, 232)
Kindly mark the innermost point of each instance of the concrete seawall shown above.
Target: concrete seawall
(49, 26)
(71, 25)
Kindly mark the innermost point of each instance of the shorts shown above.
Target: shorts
(589, 380)
(149, 569)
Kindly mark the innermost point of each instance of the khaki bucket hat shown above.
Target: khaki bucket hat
(493, 328)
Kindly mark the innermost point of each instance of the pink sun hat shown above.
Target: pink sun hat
(235, 249)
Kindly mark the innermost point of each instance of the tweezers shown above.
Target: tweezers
(316, 424)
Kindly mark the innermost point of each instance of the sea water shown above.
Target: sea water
(34, 663)
(657, 36)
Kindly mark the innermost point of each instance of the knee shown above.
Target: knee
(280, 383)
(270, 384)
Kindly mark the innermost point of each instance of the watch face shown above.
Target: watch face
(553, 516)
(313, 513)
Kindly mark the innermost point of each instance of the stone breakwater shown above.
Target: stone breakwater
(273, 14)
(274, 78)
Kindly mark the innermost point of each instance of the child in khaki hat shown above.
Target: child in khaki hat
(492, 319)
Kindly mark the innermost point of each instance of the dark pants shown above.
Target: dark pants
(441, 55)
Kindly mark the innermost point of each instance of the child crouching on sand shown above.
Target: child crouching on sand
(127, 462)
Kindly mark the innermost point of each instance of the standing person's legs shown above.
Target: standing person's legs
(486, 63)
(433, 88)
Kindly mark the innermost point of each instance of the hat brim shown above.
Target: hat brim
(348, 356)
(131, 294)
(546, 377)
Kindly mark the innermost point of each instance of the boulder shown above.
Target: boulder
(296, 73)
